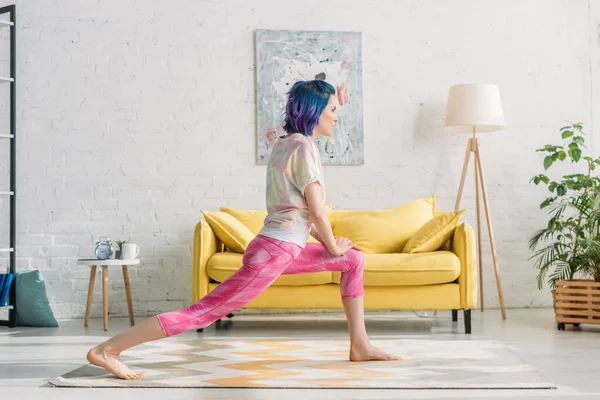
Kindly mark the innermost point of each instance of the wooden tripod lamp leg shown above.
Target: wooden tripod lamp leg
(478, 210)
(489, 225)
(464, 173)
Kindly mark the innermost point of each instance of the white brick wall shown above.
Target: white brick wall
(135, 114)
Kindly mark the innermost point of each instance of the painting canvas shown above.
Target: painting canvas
(284, 57)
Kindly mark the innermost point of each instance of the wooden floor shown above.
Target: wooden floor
(570, 359)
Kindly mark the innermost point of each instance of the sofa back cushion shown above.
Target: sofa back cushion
(254, 219)
(385, 231)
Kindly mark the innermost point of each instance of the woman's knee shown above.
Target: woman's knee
(355, 257)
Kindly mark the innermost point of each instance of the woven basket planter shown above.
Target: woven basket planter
(576, 302)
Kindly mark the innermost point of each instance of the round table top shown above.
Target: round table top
(109, 262)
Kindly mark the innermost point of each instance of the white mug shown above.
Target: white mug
(129, 251)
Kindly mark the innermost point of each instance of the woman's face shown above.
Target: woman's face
(328, 118)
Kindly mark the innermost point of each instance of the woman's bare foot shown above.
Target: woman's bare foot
(101, 357)
(370, 353)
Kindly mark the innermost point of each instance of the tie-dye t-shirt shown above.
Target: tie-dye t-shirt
(294, 164)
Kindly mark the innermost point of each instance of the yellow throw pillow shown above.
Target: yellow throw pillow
(435, 233)
(386, 231)
(234, 235)
(448, 245)
(254, 219)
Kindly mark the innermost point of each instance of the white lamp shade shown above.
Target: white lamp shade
(474, 105)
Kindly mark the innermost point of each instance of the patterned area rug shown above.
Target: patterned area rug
(426, 364)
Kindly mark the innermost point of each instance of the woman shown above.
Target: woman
(296, 209)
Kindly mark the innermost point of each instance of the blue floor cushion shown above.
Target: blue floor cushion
(32, 304)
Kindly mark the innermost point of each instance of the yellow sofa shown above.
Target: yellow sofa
(443, 279)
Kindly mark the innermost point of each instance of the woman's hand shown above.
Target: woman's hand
(355, 247)
(342, 245)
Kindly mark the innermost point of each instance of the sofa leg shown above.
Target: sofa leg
(217, 322)
(454, 315)
(468, 321)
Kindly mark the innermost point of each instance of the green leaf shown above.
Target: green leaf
(588, 159)
(552, 186)
(561, 190)
(575, 154)
(565, 127)
(548, 160)
(567, 134)
(547, 202)
(562, 155)
(536, 180)
(579, 140)
(544, 179)
(573, 145)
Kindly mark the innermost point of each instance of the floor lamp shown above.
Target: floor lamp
(476, 108)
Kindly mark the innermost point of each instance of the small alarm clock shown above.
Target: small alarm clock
(104, 248)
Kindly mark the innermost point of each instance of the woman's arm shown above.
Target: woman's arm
(315, 233)
(319, 217)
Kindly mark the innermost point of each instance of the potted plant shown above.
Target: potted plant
(120, 244)
(567, 250)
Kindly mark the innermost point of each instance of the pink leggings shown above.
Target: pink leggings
(264, 260)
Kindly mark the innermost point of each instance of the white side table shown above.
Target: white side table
(93, 262)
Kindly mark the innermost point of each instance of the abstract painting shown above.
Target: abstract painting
(284, 57)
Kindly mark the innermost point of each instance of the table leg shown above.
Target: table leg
(105, 295)
(128, 294)
(88, 307)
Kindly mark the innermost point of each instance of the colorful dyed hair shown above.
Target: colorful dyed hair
(306, 102)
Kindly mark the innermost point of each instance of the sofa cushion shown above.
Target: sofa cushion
(385, 231)
(338, 215)
(400, 269)
(434, 233)
(234, 235)
(222, 265)
(254, 219)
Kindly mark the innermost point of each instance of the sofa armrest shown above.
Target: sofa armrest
(464, 246)
(206, 244)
